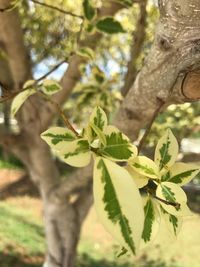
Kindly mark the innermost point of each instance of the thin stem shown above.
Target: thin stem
(171, 203)
(174, 204)
(60, 111)
(149, 126)
(13, 94)
(57, 8)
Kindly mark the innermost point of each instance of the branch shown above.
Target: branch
(136, 48)
(170, 58)
(14, 93)
(57, 9)
(73, 74)
(148, 128)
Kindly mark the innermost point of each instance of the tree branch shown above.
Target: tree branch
(57, 9)
(136, 48)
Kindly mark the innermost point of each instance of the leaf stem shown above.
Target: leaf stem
(171, 203)
(60, 111)
(14, 93)
(149, 126)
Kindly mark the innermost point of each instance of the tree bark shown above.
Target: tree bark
(174, 55)
(63, 213)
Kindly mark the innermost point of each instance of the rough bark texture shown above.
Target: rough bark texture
(136, 48)
(174, 54)
(169, 73)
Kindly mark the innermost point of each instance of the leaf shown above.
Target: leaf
(88, 9)
(20, 99)
(173, 223)
(152, 221)
(172, 193)
(86, 52)
(139, 179)
(166, 151)
(76, 153)
(98, 74)
(149, 216)
(109, 25)
(99, 133)
(118, 147)
(144, 166)
(181, 173)
(114, 196)
(99, 118)
(50, 87)
(56, 137)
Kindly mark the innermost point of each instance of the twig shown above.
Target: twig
(60, 111)
(148, 128)
(174, 204)
(13, 94)
(57, 8)
(171, 203)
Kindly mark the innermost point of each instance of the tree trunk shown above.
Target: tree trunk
(170, 60)
(63, 213)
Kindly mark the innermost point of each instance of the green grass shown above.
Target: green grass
(19, 228)
(12, 164)
(22, 242)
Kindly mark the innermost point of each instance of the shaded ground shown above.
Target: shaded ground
(22, 237)
(16, 183)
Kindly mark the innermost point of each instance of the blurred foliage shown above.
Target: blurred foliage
(51, 36)
(184, 119)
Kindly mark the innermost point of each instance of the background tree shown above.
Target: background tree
(36, 32)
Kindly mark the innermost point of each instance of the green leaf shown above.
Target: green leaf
(88, 9)
(56, 136)
(166, 151)
(76, 153)
(148, 221)
(20, 99)
(109, 25)
(181, 173)
(86, 52)
(118, 146)
(144, 166)
(50, 87)
(114, 195)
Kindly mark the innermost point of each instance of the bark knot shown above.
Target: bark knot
(164, 43)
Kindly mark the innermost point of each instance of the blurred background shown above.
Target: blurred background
(22, 242)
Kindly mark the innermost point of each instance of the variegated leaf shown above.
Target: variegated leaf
(166, 151)
(151, 221)
(50, 87)
(99, 133)
(139, 179)
(181, 173)
(115, 198)
(118, 146)
(20, 99)
(76, 153)
(175, 199)
(99, 118)
(145, 166)
(56, 136)
(172, 222)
